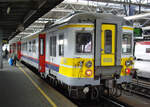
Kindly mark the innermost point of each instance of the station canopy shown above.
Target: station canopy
(16, 15)
(125, 8)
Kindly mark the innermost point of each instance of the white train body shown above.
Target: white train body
(142, 54)
(142, 50)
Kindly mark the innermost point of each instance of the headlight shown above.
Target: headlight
(128, 63)
(88, 72)
(88, 64)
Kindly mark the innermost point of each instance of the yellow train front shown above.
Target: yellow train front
(127, 56)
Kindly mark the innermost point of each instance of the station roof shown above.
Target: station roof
(16, 15)
(116, 7)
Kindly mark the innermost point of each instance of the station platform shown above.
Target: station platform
(19, 87)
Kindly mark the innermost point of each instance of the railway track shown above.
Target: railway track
(104, 101)
(139, 87)
(115, 102)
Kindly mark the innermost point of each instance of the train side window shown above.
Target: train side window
(30, 46)
(22, 46)
(26, 47)
(34, 46)
(108, 41)
(61, 45)
(53, 46)
(83, 42)
(126, 43)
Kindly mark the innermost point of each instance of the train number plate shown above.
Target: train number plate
(107, 59)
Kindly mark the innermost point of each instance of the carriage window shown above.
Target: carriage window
(127, 43)
(26, 46)
(83, 42)
(108, 41)
(61, 45)
(30, 46)
(22, 46)
(53, 46)
(41, 46)
(34, 46)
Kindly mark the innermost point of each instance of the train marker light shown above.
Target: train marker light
(128, 71)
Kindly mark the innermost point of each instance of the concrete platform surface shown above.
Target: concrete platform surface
(19, 87)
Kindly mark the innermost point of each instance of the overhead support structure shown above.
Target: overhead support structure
(140, 16)
(16, 15)
(116, 7)
(143, 3)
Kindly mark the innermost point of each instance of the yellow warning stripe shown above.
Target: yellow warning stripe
(76, 26)
(39, 89)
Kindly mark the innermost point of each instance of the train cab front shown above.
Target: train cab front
(108, 51)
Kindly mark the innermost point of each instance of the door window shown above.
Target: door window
(61, 45)
(41, 46)
(108, 41)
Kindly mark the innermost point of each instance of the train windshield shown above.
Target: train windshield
(83, 43)
(127, 43)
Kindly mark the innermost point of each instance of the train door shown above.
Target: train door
(19, 50)
(108, 45)
(42, 52)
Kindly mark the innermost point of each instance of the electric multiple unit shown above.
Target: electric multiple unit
(81, 52)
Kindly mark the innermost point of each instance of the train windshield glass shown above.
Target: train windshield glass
(83, 43)
(127, 43)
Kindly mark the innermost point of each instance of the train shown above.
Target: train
(142, 54)
(81, 52)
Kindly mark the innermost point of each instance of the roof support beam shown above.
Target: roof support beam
(122, 2)
(146, 22)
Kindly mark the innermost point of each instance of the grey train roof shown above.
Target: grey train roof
(83, 18)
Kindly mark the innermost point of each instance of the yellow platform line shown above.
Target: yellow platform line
(39, 89)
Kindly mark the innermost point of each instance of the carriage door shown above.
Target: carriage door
(42, 52)
(108, 45)
(19, 50)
